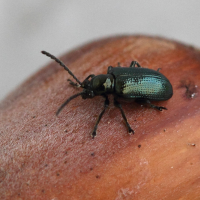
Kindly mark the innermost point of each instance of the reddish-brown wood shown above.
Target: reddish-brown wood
(47, 157)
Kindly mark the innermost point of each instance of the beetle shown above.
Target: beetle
(130, 83)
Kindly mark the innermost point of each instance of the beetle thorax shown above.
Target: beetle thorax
(102, 84)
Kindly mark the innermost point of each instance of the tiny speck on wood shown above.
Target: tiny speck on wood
(97, 176)
(92, 154)
(192, 144)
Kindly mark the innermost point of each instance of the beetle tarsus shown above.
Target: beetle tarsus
(160, 108)
(118, 105)
(93, 134)
(130, 130)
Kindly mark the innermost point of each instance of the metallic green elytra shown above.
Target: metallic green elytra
(129, 83)
(141, 83)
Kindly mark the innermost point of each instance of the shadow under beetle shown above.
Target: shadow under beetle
(123, 82)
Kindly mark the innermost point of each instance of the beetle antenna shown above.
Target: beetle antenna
(61, 63)
(67, 101)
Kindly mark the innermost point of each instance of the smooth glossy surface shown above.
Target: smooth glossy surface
(142, 83)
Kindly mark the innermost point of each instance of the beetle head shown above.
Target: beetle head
(87, 94)
(98, 85)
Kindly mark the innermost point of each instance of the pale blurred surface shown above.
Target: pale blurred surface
(27, 27)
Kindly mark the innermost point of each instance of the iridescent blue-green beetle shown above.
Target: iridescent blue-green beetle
(129, 83)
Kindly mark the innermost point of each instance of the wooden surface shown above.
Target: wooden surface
(43, 156)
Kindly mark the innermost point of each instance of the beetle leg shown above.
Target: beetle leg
(106, 104)
(158, 69)
(90, 76)
(72, 83)
(118, 64)
(118, 105)
(160, 108)
(86, 81)
(133, 63)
